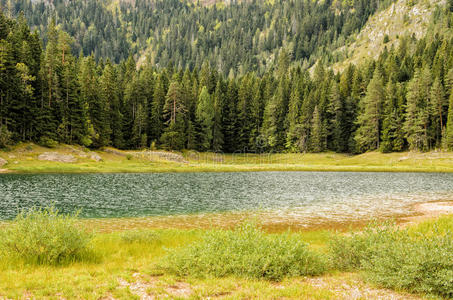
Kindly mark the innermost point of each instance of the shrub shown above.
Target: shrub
(5, 137)
(416, 261)
(245, 252)
(44, 236)
(424, 265)
(348, 252)
(129, 156)
(47, 142)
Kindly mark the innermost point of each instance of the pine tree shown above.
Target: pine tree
(205, 114)
(437, 108)
(157, 109)
(295, 104)
(417, 114)
(217, 135)
(448, 137)
(174, 111)
(369, 121)
(392, 133)
(338, 121)
(316, 137)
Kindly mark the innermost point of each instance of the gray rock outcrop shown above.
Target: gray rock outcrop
(57, 157)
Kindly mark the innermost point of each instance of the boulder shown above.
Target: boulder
(57, 157)
(95, 156)
(2, 162)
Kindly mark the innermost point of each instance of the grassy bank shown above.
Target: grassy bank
(25, 158)
(247, 263)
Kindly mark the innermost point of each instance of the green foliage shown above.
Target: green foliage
(44, 236)
(47, 142)
(417, 261)
(245, 252)
(347, 253)
(396, 102)
(449, 133)
(238, 42)
(5, 137)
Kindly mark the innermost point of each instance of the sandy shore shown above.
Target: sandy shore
(428, 210)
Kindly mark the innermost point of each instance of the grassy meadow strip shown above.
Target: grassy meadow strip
(23, 158)
(44, 254)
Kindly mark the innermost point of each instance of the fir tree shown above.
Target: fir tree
(369, 121)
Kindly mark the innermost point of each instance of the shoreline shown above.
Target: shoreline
(419, 212)
(30, 158)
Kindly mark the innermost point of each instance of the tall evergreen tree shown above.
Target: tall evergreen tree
(369, 121)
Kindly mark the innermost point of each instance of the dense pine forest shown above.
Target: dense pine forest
(239, 37)
(401, 101)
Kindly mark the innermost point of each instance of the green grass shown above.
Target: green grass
(24, 159)
(244, 263)
(123, 255)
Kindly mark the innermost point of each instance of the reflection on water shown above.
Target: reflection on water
(279, 197)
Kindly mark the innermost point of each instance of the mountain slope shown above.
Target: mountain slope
(237, 37)
(384, 29)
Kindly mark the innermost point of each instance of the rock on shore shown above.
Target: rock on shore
(57, 157)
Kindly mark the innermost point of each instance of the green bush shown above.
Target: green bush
(347, 252)
(245, 252)
(47, 142)
(423, 265)
(44, 236)
(5, 137)
(399, 258)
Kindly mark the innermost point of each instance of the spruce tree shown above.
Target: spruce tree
(417, 113)
(369, 121)
(205, 114)
(448, 139)
(437, 108)
(174, 112)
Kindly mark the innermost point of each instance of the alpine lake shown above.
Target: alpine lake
(296, 199)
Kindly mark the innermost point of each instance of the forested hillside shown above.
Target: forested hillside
(234, 38)
(402, 100)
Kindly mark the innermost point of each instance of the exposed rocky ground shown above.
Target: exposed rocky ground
(57, 157)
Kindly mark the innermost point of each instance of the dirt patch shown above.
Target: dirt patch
(428, 210)
(351, 287)
(151, 288)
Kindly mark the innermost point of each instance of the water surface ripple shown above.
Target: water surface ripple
(284, 195)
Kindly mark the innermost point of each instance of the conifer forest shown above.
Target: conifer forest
(182, 75)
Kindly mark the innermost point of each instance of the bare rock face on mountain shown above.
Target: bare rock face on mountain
(57, 157)
(2, 162)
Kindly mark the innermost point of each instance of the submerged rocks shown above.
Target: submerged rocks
(3, 162)
(57, 157)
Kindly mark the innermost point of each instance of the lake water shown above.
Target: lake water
(282, 195)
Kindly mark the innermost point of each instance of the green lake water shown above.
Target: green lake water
(284, 195)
